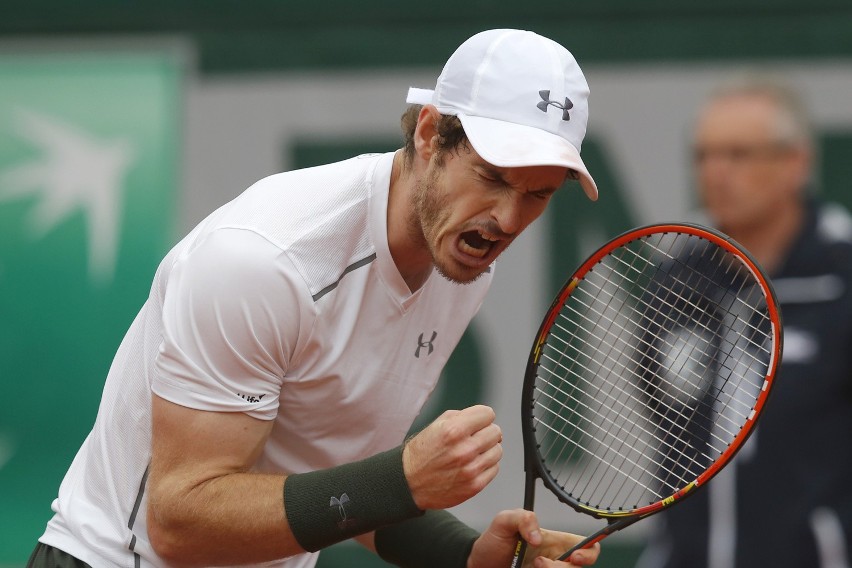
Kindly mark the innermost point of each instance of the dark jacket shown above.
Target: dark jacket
(792, 504)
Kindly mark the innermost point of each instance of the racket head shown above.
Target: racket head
(650, 370)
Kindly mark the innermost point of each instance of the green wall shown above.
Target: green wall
(231, 37)
(236, 36)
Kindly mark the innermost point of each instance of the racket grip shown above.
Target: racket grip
(520, 550)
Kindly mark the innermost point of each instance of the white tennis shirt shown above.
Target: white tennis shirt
(284, 304)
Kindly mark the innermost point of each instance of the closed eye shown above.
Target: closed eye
(543, 193)
(491, 177)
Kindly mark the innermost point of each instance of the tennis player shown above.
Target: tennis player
(257, 408)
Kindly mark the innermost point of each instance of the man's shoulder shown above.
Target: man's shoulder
(834, 224)
(321, 204)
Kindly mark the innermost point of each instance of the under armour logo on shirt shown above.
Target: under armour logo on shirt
(428, 344)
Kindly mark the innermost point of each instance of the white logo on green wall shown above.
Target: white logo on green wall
(72, 170)
(89, 147)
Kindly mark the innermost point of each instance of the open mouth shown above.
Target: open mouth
(476, 243)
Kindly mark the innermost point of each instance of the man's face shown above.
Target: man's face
(744, 170)
(467, 211)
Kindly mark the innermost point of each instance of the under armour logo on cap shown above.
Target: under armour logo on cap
(488, 83)
(546, 102)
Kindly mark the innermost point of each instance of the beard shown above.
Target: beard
(430, 210)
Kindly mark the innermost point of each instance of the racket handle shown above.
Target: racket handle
(520, 550)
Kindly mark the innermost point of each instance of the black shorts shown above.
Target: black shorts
(45, 556)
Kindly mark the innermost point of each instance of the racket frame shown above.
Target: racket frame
(534, 466)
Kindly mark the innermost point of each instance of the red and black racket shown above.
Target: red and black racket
(648, 374)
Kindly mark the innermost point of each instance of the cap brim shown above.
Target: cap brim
(510, 145)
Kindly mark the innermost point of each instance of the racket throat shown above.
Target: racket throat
(613, 525)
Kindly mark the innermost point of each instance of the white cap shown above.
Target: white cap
(521, 98)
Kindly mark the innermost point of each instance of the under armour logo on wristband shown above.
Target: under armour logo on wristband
(341, 503)
(428, 344)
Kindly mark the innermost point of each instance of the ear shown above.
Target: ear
(426, 132)
(801, 162)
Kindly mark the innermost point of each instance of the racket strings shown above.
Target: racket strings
(693, 307)
(608, 395)
(630, 436)
(609, 401)
(602, 339)
(750, 302)
(725, 352)
(672, 306)
(693, 350)
(728, 295)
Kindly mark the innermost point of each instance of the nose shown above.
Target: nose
(508, 213)
(714, 170)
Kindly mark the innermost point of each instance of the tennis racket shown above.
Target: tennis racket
(648, 373)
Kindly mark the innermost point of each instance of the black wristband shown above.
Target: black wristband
(327, 506)
(434, 539)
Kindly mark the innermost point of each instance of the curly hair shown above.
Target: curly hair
(451, 135)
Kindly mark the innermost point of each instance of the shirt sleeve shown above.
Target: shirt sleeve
(232, 316)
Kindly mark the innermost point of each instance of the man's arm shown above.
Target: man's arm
(206, 508)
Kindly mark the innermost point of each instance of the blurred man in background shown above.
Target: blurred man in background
(787, 499)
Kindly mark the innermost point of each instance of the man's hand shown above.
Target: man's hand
(453, 458)
(496, 546)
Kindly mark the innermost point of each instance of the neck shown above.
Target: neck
(411, 256)
(769, 241)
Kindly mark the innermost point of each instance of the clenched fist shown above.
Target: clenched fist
(453, 458)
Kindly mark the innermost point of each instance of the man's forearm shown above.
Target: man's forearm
(241, 517)
(233, 519)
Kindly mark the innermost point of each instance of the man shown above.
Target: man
(786, 499)
(256, 410)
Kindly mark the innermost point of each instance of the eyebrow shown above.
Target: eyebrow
(491, 170)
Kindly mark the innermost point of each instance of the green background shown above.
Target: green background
(59, 326)
(58, 332)
(237, 36)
